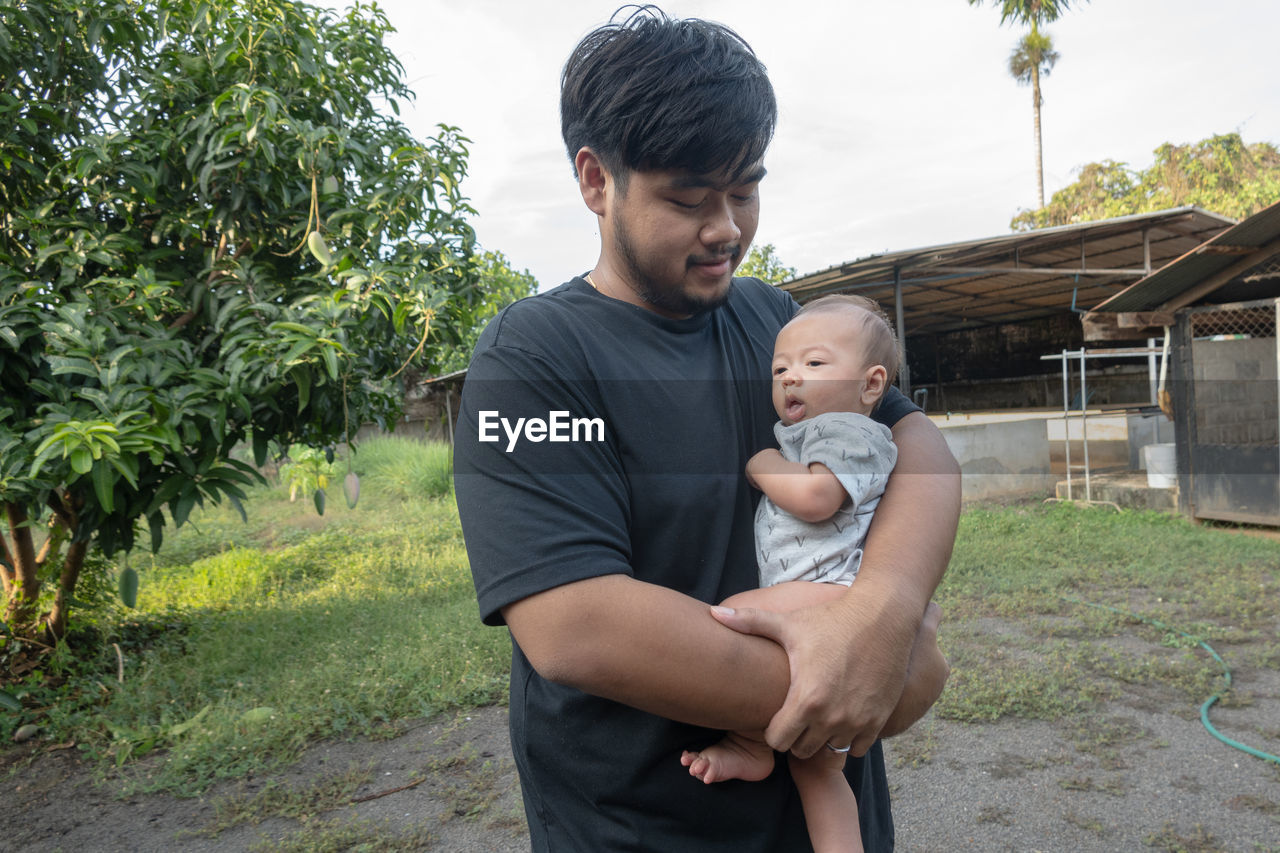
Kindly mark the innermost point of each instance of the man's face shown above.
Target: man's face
(675, 238)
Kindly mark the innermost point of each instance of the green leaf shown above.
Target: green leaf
(81, 460)
(330, 362)
(129, 587)
(239, 507)
(182, 505)
(255, 716)
(260, 440)
(302, 379)
(156, 522)
(104, 481)
(9, 702)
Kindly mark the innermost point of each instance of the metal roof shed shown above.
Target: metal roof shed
(1220, 304)
(1014, 277)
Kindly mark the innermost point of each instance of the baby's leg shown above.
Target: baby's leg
(739, 755)
(745, 755)
(830, 808)
(927, 674)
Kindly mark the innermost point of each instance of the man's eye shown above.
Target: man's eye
(686, 204)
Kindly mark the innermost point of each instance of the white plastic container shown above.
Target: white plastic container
(1162, 465)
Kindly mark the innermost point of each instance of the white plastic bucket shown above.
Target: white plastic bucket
(1162, 465)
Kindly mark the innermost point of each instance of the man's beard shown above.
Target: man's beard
(667, 297)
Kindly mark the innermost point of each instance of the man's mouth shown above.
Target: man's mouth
(717, 264)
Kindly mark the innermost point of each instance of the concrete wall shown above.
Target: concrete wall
(1001, 458)
(1236, 391)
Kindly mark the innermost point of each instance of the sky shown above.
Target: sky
(899, 125)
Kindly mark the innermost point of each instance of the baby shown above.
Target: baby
(831, 366)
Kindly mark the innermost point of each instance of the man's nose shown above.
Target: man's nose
(721, 228)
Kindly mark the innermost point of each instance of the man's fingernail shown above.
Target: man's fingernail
(723, 611)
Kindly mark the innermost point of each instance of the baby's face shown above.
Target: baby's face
(818, 367)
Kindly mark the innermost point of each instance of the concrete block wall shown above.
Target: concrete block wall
(1236, 391)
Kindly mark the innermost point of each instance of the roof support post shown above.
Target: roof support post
(904, 375)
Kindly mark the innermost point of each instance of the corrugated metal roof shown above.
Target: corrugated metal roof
(1246, 246)
(1020, 276)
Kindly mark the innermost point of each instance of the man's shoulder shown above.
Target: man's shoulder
(530, 323)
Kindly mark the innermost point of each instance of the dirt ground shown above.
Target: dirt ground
(1128, 777)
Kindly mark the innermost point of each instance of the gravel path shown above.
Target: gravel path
(1125, 777)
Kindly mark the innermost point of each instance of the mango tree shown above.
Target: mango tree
(214, 232)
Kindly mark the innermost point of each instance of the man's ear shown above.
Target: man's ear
(873, 387)
(594, 180)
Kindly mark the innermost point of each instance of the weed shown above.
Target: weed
(469, 783)
(1112, 786)
(1170, 841)
(277, 800)
(1088, 824)
(915, 747)
(349, 836)
(1255, 803)
(994, 814)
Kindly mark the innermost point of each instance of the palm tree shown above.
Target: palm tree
(1033, 56)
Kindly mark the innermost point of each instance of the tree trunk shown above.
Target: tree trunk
(20, 613)
(1035, 103)
(56, 621)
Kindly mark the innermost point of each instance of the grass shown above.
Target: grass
(252, 641)
(293, 628)
(1051, 609)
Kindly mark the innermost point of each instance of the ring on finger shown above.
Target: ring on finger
(838, 748)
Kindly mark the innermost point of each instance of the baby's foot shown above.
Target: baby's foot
(735, 757)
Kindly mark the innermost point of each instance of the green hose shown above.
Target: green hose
(1208, 703)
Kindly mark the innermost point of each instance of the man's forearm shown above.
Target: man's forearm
(913, 530)
(914, 527)
(651, 648)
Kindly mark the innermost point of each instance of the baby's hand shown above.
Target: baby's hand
(761, 462)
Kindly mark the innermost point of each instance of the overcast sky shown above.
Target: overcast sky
(899, 125)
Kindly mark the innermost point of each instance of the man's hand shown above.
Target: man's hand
(848, 663)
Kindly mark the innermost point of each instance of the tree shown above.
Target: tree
(214, 232)
(762, 263)
(500, 285)
(1032, 58)
(1222, 174)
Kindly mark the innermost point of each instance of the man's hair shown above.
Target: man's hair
(873, 331)
(645, 91)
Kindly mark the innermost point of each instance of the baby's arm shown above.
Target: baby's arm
(809, 492)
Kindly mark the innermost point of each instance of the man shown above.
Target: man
(600, 452)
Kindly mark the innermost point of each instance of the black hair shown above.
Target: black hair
(645, 91)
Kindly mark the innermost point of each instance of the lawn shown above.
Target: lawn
(253, 639)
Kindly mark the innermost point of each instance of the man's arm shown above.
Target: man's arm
(848, 659)
(652, 648)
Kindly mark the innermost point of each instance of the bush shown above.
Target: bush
(403, 468)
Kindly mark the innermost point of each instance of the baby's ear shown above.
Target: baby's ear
(874, 382)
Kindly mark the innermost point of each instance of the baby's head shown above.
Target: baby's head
(838, 354)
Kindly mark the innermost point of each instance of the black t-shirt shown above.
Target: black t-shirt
(629, 459)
